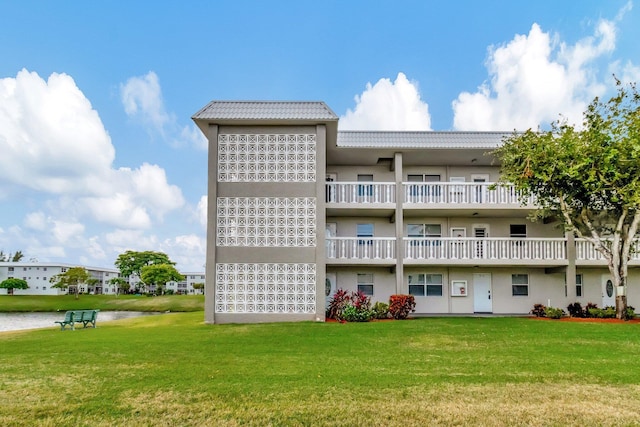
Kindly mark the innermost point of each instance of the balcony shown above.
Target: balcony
(461, 193)
(586, 254)
(486, 251)
(360, 192)
(361, 250)
(447, 251)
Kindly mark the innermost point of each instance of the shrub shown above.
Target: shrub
(554, 313)
(352, 307)
(538, 310)
(629, 313)
(575, 310)
(609, 312)
(380, 310)
(590, 308)
(352, 313)
(337, 304)
(401, 305)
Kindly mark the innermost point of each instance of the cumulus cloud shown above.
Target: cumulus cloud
(388, 105)
(533, 79)
(142, 98)
(52, 140)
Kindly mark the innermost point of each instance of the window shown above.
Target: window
(425, 234)
(421, 285)
(365, 190)
(578, 285)
(424, 230)
(518, 231)
(11, 269)
(365, 283)
(520, 285)
(364, 230)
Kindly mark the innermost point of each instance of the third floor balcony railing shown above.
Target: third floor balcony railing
(461, 193)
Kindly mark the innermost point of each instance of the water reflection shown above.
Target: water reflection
(20, 321)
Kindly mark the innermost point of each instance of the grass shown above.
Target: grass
(33, 303)
(175, 370)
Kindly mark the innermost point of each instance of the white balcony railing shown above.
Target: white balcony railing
(449, 248)
(364, 248)
(585, 251)
(461, 193)
(360, 192)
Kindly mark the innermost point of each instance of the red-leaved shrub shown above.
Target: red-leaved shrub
(401, 305)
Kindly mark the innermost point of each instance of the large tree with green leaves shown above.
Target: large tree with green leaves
(587, 176)
(160, 274)
(131, 262)
(71, 279)
(12, 283)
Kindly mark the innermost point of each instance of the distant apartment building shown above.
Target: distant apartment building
(298, 209)
(38, 276)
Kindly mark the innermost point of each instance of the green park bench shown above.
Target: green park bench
(72, 317)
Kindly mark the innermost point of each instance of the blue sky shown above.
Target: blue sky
(99, 154)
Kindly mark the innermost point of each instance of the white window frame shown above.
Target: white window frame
(425, 284)
(514, 284)
(363, 280)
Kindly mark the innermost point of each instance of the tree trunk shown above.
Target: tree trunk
(621, 306)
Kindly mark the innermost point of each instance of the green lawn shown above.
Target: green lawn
(24, 303)
(175, 370)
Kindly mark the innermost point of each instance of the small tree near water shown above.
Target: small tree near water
(71, 279)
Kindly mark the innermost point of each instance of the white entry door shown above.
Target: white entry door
(608, 291)
(482, 298)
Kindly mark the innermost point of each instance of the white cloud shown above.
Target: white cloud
(388, 105)
(202, 211)
(53, 142)
(64, 231)
(533, 79)
(185, 249)
(142, 97)
(51, 138)
(35, 221)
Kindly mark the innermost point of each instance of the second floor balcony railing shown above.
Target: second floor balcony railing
(586, 251)
(461, 193)
(361, 248)
(360, 192)
(450, 248)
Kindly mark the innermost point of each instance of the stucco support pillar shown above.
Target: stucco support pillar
(571, 267)
(321, 220)
(212, 194)
(399, 217)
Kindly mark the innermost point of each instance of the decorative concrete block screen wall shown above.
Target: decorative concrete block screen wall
(266, 158)
(265, 254)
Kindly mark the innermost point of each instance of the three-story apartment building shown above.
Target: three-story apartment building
(298, 209)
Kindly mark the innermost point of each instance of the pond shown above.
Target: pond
(19, 321)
